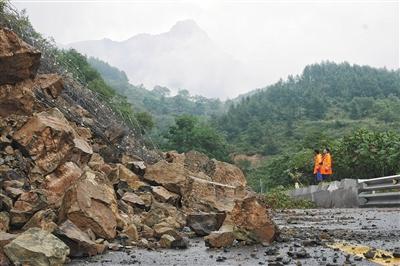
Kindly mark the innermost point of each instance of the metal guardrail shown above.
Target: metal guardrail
(379, 192)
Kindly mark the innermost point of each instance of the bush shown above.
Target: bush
(277, 198)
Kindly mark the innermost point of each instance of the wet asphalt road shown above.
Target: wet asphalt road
(304, 233)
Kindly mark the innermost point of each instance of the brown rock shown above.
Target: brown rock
(163, 195)
(6, 202)
(195, 161)
(222, 238)
(204, 223)
(147, 232)
(91, 203)
(251, 217)
(18, 99)
(79, 242)
(27, 204)
(49, 139)
(133, 200)
(43, 219)
(6, 238)
(4, 221)
(166, 241)
(131, 232)
(61, 179)
(4, 261)
(159, 212)
(18, 60)
(225, 173)
(172, 176)
(163, 228)
(52, 84)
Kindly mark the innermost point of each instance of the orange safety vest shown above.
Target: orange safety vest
(317, 162)
(326, 168)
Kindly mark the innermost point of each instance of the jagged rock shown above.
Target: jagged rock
(206, 196)
(131, 231)
(122, 173)
(163, 195)
(6, 202)
(222, 238)
(180, 243)
(164, 228)
(50, 140)
(133, 200)
(13, 192)
(18, 60)
(91, 203)
(4, 261)
(166, 241)
(18, 99)
(195, 161)
(6, 238)
(252, 219)
(225, 173)
(52, 84)
(4, 221)
(27, 204)
(204, 223)
(43, 219)
(60, 180)
(78, 241)
(147, 232)
(37, 247)
(172, 176)
(160, 212)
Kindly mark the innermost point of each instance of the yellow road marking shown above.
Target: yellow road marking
(387, 259)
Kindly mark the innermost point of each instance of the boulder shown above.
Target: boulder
(90, 203)
(204, 223)
(6, 238)
(251, 218)
(43, 219)
(50, 140)
(166, 241)
(52, 84)
(79, 242)
(160, 212)
(60, 180)
(207, 196)
(37, 247)
(6, 202)
(4, 221)
(221, 238)
(172, 176)
(133, 200)
(163, 195)
(27, 204)
(131, 231)
(18, 60)
(225, 173)
(195, 161)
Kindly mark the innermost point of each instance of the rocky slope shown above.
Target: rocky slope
(68, 189)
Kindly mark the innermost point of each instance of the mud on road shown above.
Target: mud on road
(304, 240)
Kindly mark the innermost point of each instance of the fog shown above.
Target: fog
(268, 40)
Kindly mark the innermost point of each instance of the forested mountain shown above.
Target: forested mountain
(326, 99)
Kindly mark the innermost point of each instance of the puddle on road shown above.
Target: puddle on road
(382, 257)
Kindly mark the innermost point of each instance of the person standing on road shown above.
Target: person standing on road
(317, 165)
(326, 167)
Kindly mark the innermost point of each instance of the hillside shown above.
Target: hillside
(327, 99)
(182, 58)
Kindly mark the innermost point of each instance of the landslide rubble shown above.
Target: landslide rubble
(65, 192)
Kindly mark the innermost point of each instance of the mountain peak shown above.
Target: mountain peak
(186, 27)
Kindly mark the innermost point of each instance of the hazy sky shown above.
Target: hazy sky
(273, 38)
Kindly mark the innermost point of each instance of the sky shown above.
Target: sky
(273, 38)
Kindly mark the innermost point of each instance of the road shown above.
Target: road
(308, 237)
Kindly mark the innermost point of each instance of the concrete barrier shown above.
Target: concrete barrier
(337, 194)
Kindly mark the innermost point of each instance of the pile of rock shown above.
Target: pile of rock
(61, 198)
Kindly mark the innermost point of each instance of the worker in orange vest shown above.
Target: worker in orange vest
(326, 167)
(317, 165)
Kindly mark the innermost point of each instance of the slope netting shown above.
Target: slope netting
(76, 91)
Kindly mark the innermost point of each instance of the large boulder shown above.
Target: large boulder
(204, 223)
(91, 204)
(78, 241)
(163, 195)
(224, 237)
(251, 218)
(50, 140)
(37, 247)
(18, 60)
(44, 219)
(26, 206)
(225, 173)
(60, 180)
(172, 176)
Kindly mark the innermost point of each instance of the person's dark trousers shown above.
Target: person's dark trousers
(326, 177)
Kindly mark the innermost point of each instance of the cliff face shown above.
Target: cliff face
(64, 173)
